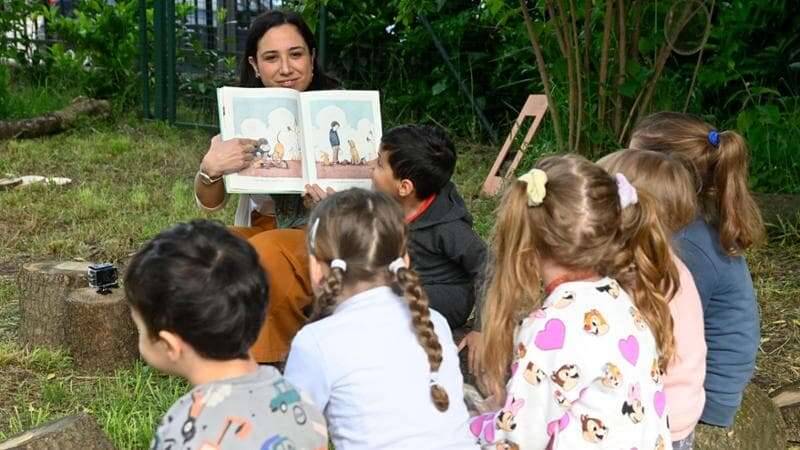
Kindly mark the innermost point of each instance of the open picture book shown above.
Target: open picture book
(329, 138)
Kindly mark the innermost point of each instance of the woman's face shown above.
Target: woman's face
(283, 59)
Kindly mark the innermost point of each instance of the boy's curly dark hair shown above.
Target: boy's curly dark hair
(202, 283)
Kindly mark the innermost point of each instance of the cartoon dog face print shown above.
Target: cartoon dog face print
(655, 372)
(612, 289)
(612, 377)
(638, 319)
(593, 429)
(566, 376)
(561, 399)
(632, 407)
(566, 299)
(533, 374)
(594, 323)
(505, 420)
(505, 444)
(521, 350)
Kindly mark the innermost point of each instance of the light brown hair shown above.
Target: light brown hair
(366, 230)
(665, 177)
(724, 197)
(579, 226)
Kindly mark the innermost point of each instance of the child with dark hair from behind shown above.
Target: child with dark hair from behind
(196, 294)
(376, 359)
(415, 164)
(727, 223)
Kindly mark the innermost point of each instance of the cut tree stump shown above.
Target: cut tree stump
(55, 122)
(76, 432)
(101, 336)
(787, 399)
(758, 426)
(43, 289)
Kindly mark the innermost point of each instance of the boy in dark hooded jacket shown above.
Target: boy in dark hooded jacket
(414, 166)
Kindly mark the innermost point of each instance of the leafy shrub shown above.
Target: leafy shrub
(104, 38)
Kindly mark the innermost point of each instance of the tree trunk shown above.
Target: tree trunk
(101, 336)
(758, 426)
(76, 432)
(787, 399)
(54, 122)
(43, 289)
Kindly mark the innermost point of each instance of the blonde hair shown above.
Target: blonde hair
(366, 230)
(579, 226)
(725, 199)
(665, 177)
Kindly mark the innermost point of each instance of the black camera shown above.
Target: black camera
(102, 277)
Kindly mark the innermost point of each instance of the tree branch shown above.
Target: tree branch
(602, 93)
(621, 63)
(540, 64)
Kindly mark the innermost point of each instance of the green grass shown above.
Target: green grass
(128, 183)
(132, 179)
(37, 386)
(28, 99)
(128, 405)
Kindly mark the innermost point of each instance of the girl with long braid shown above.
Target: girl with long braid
(380, 364)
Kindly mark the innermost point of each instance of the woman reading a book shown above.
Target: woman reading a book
(279, 52)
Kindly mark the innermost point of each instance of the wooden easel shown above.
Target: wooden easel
(508, 158)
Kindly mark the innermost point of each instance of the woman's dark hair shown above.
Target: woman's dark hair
(201, 282)
(422, 154)
(261, 24)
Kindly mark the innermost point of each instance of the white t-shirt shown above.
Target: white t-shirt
(365, 369)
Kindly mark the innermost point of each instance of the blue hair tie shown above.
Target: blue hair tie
(713, 138)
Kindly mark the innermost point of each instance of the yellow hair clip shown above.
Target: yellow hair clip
(535, 180)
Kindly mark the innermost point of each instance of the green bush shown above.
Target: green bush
(104, 42)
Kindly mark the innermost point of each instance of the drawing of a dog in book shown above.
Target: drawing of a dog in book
(355, 157)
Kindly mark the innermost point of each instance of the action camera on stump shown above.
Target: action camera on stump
(102, 277)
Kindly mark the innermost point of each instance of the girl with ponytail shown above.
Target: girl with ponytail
(670, 184)
(380, 364)
(581, 363)
(712, 243)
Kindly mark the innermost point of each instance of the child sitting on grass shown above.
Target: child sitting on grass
(414, 166)
(196, 294)
(727, 223)
(672, 187)
(585, 360)
(382, 366)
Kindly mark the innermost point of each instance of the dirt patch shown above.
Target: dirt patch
(776, 274)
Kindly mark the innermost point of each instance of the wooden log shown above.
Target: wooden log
(76, 432)
(54, 122)
(101, 336)
(787, 399)
(758, 426)
(43, 289)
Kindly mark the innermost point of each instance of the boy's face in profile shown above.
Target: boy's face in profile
(383, 178)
